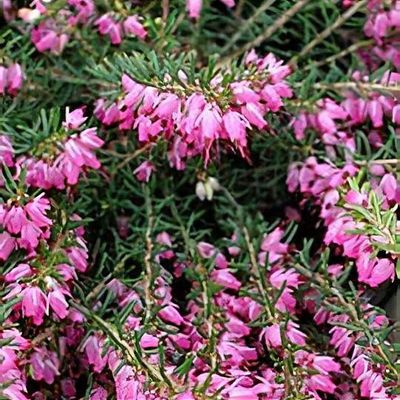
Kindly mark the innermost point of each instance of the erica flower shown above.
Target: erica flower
(6, 151)
(45, 365)
(34, 304)
(45, 37)
(374, 272)
(11, 79)
(74, 119)
(197, 123)
(93, 352)
(108, 26)
(171, 315)
(7, 245)
(144, 171)
(134, 27)
(194, 7)
(72, 156)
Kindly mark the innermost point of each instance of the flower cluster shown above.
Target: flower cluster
(63, 156)
(42, 251)
(195, 122)
(383, 26)
(336, 123)
(115, 30)
(340, 204)
(327, 183)
(52, 33)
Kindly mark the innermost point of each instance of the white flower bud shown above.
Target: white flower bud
(28, 15)
(214, 183)
(200, 191)
(209, 190)
(205, 190)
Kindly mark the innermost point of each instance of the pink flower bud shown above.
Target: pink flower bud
(133, 26)
(171, 315)
(7, 245)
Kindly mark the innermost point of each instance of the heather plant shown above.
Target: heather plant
(199, 199)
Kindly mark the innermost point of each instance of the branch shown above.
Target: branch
(148, 276)
(328, 31)
(359, 86)
(123, 345)
(281, 21)
(350, 50)
(247, 24)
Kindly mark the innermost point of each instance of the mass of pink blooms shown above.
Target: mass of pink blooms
(327, 184)
(52, 33)
(247, 339)
(197, 123)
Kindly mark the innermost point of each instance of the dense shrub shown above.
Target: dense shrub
(198, 200)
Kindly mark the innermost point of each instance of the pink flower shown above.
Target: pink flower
(144, 170)
(94, 353)
(242, 393)
(45, 365)
(210, 122)
(148, 341)
(224, 278)
(300, 125)
(374, 272)
(45, 38)
(272, 246)
(133, 26)
(164, 238)
(14, 79)
(98, 393)
(18, 272)
(372, 385)
(235, 124)
(341, 339)
(253, 113)
(185, 396)
(36, 210)
(294, 334)
(194, 8)
(325, 364)
(34, 304)
(15, 219)
(206, 250)
(30, 235)
(389, 186)
(272, 336)
(56, 300)
(78, 257)
(6, 152)
(107, 26)
(321, 383)
(7, 245)
(126, 384)
(85, 9)
(228, 3)
(381, 24)
(354, 197)
(396, 114)
(74, 119)
(171, 315)
(375, 111)
(3, 79)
